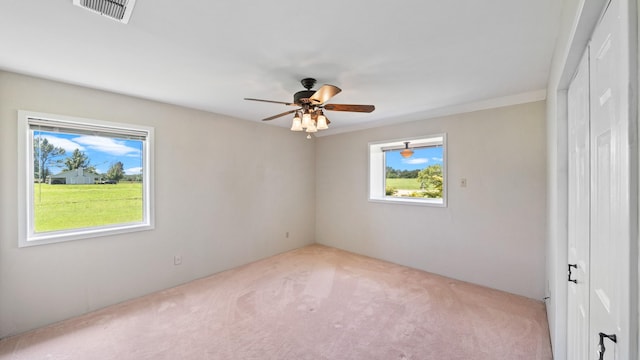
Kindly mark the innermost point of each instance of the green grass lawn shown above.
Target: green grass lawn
(404, 184)
(58, 207)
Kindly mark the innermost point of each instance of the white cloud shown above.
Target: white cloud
(133, 171)
(437, 159)
(415, 161)
(66, 144)
(106, 145)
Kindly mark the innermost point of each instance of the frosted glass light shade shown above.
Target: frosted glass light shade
(297, 124)
(306, 120)
(312, 127)
(322, 122)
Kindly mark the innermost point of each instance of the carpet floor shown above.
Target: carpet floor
(312, 303)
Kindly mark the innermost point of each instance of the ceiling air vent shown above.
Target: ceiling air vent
(119, 10)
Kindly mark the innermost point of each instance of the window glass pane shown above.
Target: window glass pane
(84, 181)
(417, 176)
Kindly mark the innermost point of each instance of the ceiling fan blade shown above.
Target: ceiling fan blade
(347, 107)
(272, 101)
(325, 93)
(282, 114)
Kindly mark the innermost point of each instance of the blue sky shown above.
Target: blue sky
(102, 151)
(421, 158)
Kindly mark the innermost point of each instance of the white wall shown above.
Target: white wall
(227, 191)
(492, 232)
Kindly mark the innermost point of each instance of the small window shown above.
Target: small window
(82, 178)
(411, 171)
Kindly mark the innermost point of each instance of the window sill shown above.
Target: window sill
(409, 201)
(62, 236)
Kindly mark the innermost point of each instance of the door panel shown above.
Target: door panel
(610, 205)
(578, 231)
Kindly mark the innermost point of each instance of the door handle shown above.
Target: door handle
(601, 348)
(575, 266)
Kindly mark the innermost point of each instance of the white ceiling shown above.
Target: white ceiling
(408, 58)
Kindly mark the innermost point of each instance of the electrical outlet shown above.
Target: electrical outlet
(286, 235)
(177, 260)
(463, 182)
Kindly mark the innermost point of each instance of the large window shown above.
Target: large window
(408, 171)
(82, 178)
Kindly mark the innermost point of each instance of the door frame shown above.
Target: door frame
(579, 20)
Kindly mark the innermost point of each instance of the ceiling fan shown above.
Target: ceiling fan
(310, 104)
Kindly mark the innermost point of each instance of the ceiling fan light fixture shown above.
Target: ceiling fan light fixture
(311, 104)
(312, 127)
(306, 119)
(297, 123)
(406, 153)
(322, 121)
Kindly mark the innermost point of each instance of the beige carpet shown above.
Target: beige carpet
(311, 303)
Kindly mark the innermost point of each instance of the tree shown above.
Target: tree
(392, 173)
(115, 172)
(79, 160)
(45, 154)
(430, 179)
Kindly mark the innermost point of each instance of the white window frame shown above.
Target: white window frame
(26, 234)
(377, 170)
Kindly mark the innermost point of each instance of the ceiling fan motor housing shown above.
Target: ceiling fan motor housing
(302, 97)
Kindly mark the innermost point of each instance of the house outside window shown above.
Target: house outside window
(82, 178)
(408, 171)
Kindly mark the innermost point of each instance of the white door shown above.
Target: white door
(610, 189)
(578, 231)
